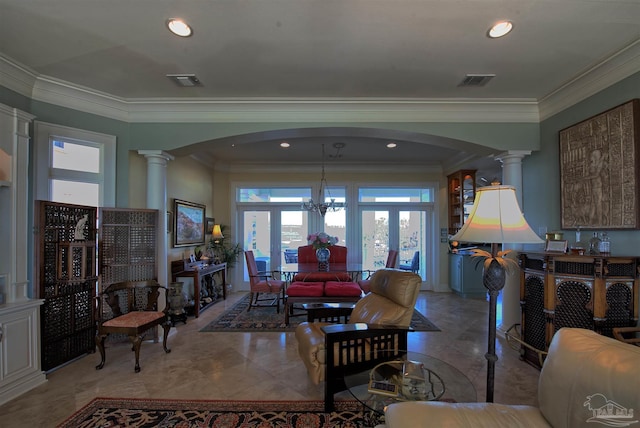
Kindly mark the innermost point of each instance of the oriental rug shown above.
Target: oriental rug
(237, 319)
(147, 413)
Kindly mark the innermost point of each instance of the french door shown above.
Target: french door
(394, 227)
(269, 232)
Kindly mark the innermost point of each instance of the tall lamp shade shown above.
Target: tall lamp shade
(495, 218)
(216, 234)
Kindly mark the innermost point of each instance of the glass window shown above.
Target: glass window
(394, 194)
(75, 157)
(74, 165)
(74, 192)
(272, 195)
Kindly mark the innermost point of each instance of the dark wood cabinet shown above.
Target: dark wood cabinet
(207, 283)
(560, 290)
(461, 188)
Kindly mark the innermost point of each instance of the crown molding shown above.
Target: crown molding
(334, 110)
(16, 77)
(621, 65)
(29, 83)
(262, 168)
(50, 90)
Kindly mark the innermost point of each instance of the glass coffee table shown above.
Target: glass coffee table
(410, 377)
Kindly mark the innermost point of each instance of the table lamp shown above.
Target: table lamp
(216, 233)
(495, 218)
(216, 237)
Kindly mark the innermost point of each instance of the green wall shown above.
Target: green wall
(541, 173)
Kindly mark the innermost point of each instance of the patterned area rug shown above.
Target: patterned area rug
(139, 413)
(237, 319)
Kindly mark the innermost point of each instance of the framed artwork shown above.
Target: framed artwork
(209, 228)
(599, 170)
(189, 223)
(556, 246)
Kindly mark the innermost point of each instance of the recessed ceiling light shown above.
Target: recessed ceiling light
(285, 144)
(500, 29)
(179, 27)
(392, 145)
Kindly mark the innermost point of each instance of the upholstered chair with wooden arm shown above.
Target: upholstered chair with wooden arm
(379, 320)
(131, 308)
(338, 257)
(263, 283)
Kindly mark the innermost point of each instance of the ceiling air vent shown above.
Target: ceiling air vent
(186, 80)
(476, 79)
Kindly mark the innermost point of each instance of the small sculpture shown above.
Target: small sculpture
(79, 232)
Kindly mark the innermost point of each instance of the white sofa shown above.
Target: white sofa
(587, 380)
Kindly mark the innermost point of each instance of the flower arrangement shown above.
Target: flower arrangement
(322, 240)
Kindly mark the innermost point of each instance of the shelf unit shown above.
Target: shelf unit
(461, 187)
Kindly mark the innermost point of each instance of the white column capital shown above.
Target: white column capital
(512, 155)
(156, 154)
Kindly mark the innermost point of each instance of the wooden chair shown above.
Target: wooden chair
(307, 255)
(133, 311)
(262, 282)
(413, 265)
(630, 335)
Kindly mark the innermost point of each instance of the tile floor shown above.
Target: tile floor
(259, 366)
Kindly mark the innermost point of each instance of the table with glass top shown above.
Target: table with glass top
(411, 377)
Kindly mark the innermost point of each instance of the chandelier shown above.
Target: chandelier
(322, 206)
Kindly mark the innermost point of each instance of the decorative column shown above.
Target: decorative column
(157, 199)
(511, 176)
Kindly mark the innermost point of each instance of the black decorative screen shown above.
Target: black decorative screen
(66, 280)
(619, 308)
(533, 312)
(573, 303)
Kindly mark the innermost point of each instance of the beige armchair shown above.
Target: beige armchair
(379, 320)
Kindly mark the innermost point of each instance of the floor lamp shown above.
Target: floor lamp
(495, 218)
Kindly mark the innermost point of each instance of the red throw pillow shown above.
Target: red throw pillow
(305, 289)
(347, 289)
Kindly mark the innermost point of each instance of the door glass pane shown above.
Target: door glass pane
(335, 225)
(75, 192)
(75, 157)
(293, 234)
(257, 231)
(375, 239)
(412, 241)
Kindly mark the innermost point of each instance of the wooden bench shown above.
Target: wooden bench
(133, 311)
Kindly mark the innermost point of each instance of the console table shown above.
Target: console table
(594, 292)
(206, 290)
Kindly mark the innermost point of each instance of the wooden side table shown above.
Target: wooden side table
(329, 312)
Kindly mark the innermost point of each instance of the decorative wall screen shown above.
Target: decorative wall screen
(127, 245)
(68, 269)
(66, 279)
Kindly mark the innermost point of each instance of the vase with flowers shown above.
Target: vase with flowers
(321, 241)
